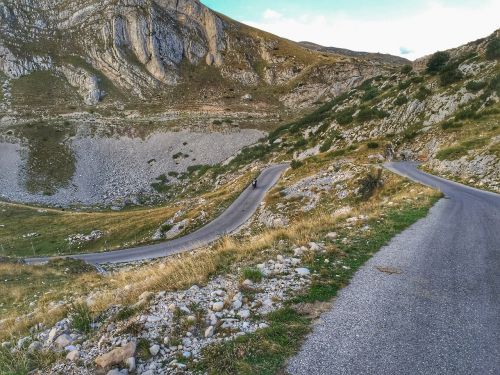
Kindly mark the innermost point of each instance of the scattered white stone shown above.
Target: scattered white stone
(209, 332)
(244, 314)
(73, 355)
(154, 350)
(302, 271)
(218, 306)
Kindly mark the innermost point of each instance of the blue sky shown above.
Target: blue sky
(406, 28)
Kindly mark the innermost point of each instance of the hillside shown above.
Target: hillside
(61, 56)
(379, 57)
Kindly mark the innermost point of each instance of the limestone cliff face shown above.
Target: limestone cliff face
(142, 47)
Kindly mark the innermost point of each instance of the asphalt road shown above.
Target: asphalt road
(236, 215)
(440, 315)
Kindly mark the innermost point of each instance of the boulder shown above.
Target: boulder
(154, 350)
(209, 332)
(73, 355)
(35, 346)
(63, 340)
(116, 356)
(218, 306)
(302, 271)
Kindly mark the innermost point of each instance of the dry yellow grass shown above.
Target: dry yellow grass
(178, 272)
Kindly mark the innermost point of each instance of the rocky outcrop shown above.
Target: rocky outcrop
(86, 83)
(144, 47)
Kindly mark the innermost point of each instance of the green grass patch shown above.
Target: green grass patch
(252, 274)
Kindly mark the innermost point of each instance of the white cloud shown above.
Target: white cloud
(270, 14)
(434, 27)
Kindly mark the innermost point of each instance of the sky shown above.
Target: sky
(407, 28)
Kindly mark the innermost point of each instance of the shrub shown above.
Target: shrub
(217, 122)
(450, 125)
(406, 69)
(370, 93)
(450, 74)
(417, 79)
(373, 145)
(344, 117)
(253, 274)
(422, 93)
(369, 184)
(493, 49)
(295, 164)
(475, 86)
(81, 317)
(400, 100)
(368, 114)
(404, 85)
(495, 84)
(301, 142)
(142, 351)
(327, 145)
(437, 62)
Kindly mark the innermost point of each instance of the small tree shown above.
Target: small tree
(437, 62)
(493, 49)
(406, 69)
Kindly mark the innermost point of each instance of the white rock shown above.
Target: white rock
(35, 346)
(302, 271)
(130, 362)
(52, 335)
(209, 332)
(63, 340)
(73, 355)
(218, 306)
(237, 304)
(247, 282)
(332, 235)
(113, 372)
(298, 252)
(154, 350)
(314, 246)
(244, 314)
(166, 340)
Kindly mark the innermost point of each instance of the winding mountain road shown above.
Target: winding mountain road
(439, 315)
(236, 215)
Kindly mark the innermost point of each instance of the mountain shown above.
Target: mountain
(58, 56)
(379, 57)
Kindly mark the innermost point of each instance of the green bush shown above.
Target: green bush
(373, 145)
(450, 74)
(368, 114)
(344, 117)
(400, 100)
(369, 184)
(404, 84)
(417, 79)
(252, 274)
(437, 62)
(493, 49)
(301, 142)
(370, 93)
(326, 145)
(451, 125)
(81, 317)
(422, 93)
(295, 164)
(475, 86)
(495, 84)
(406, 69)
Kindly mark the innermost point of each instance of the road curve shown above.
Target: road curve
(440, 315)
(236, 215)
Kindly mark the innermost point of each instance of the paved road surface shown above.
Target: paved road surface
(441, 315)
(236, 215)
